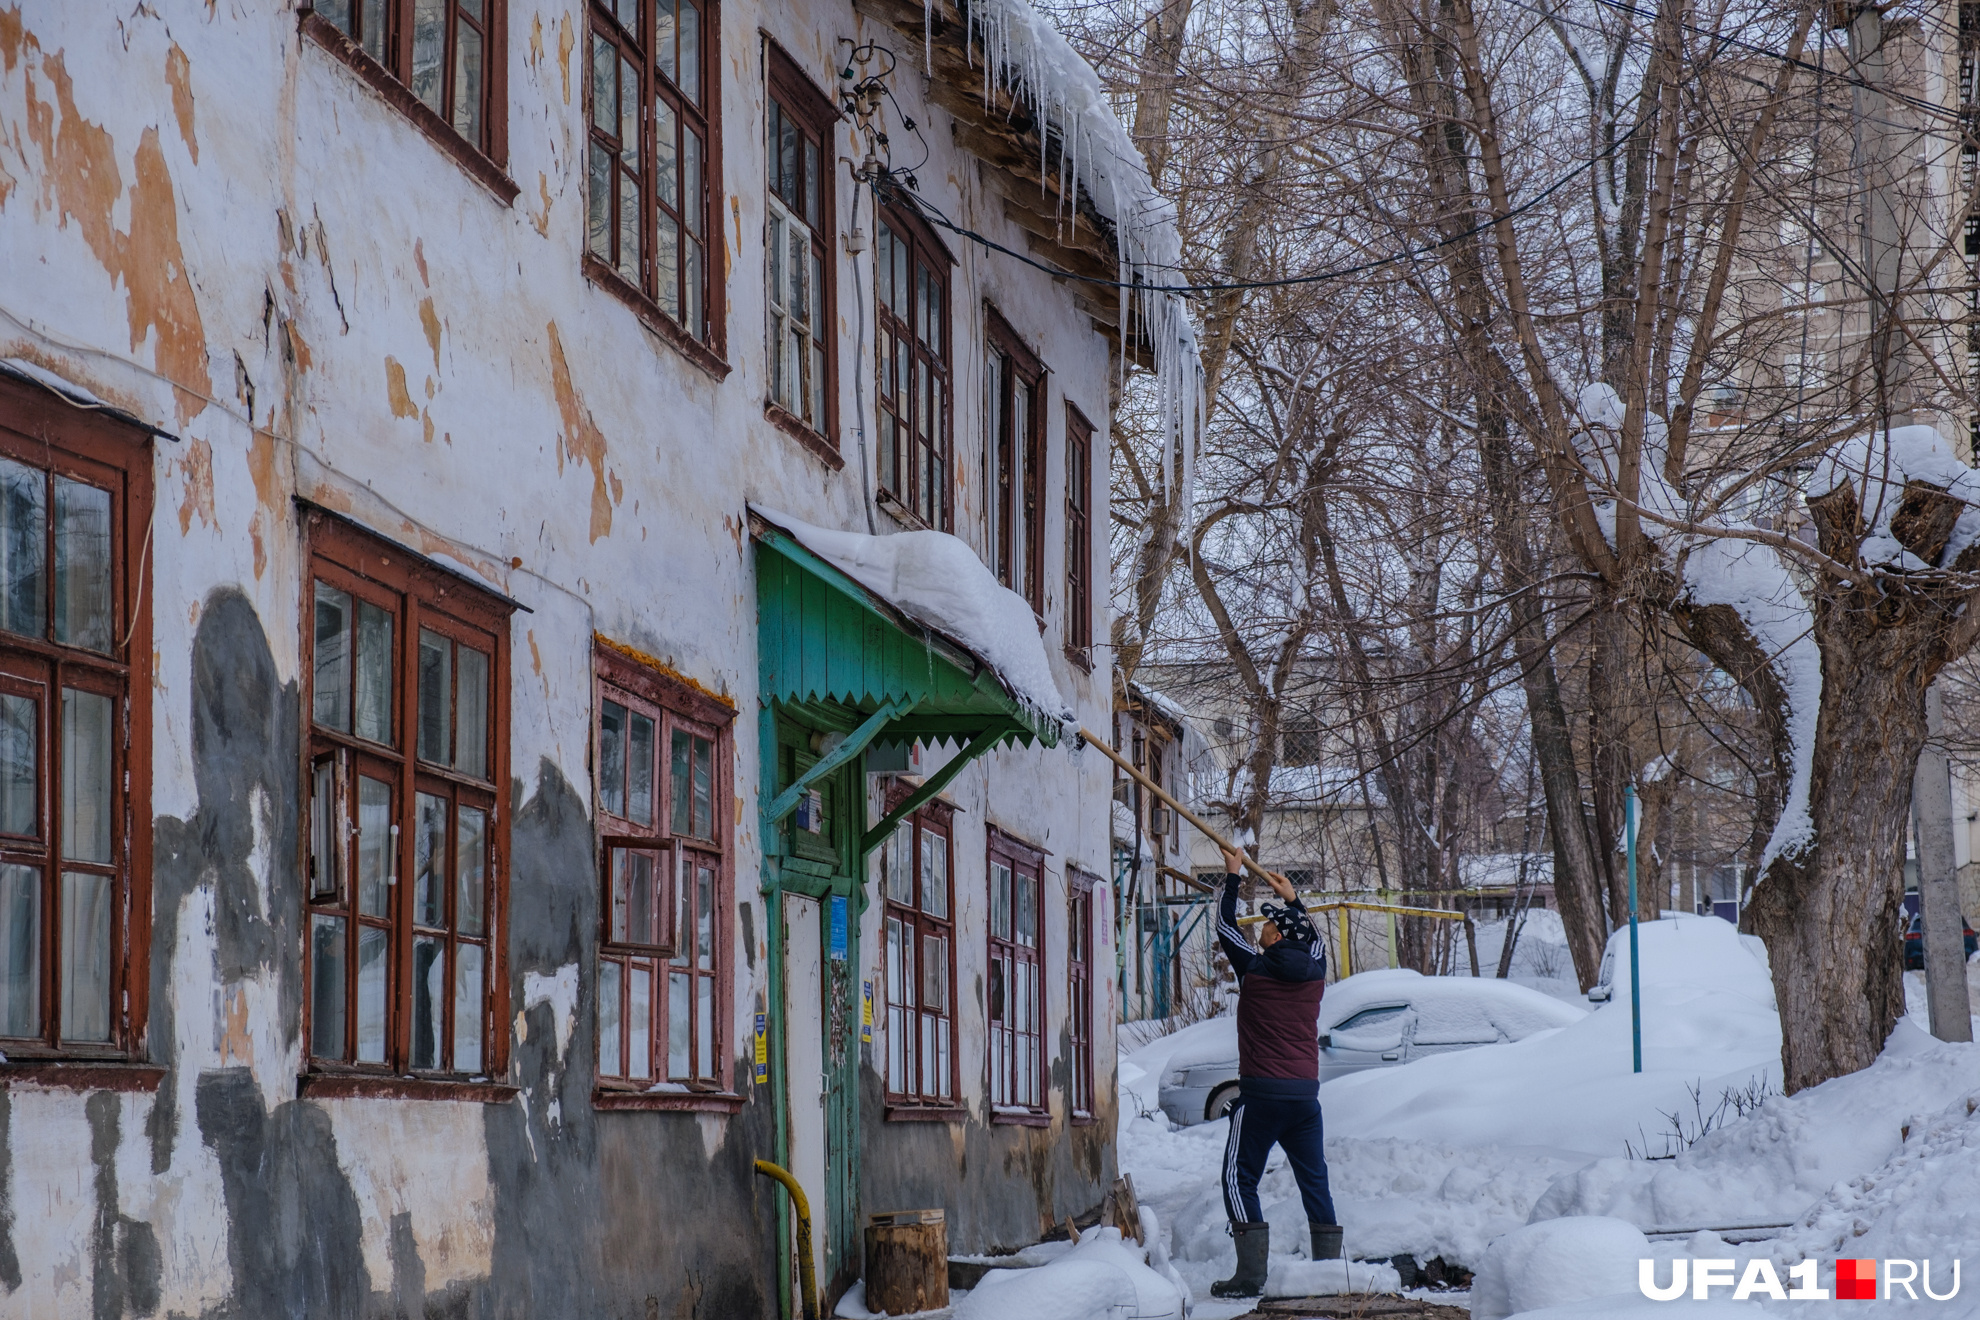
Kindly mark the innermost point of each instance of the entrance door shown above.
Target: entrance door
(820, 842)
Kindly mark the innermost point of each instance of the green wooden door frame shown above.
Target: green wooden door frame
(835, 659)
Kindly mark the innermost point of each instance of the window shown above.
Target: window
(448, 53)
(74, 751)
(798, 254)
(921, 958)
(1016, 991)
(1015, 448)
(1079, 985)
(407, 668)
(912, 295)
(1079, 535)
(652, 173)
(662, 765)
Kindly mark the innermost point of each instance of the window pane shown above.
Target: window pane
(899, 990)
(374, 845)
(935, 973)
(666, 153)
(1027, 910)
(471, 707)
(20, 761)
(786, 157)
(928, 1058)
(692, 315)
(371, 995)
(934, 875)
(471, 8)
(470, 870)
(628, 113)
(639, 1023)
(330, 705)
(1000, 901)
(23, 548)
(429, 45)
(681, 775)
(639, 771)
(429, 861)
(86, 775)
(663, 40)
(629, 228)
(326, 992)
(599, 216)
(436, 694)
(20, 951)
(683, 910)
(374, 673)
(85, 956)
(680, 1010)
(469, 969)
(811, 188)
(373, 39)
(704, 789)
(604, 90)
(693, 202)
(429, 998)
(667, 265)
(467, 83)
(337, 13)
(612, 719)
(704, 918)
(897, 860)
(704, 1026)
(326, 834)
(82, 566)
(690, 82)
(610, 976)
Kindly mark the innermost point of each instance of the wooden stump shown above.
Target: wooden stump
(907, 1262)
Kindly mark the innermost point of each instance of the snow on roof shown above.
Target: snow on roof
(1503, 870)
(1323, 785)
(937, 580)
(1024, 52)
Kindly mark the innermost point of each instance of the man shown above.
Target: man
(1279, 988)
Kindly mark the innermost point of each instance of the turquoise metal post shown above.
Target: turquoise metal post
(1635, 981)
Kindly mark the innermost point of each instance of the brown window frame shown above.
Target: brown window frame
(58, 439)
(905, 927)
(1014, 463)
(917, 462)
(1016, 1095)
(1079, 537)
(420, 597)
(383, 57)
(1080, 908)
(790, 96)
(642, 686)
(684, 302)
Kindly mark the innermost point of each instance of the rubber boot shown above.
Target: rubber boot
(1254, 1243)
(1326, 1241)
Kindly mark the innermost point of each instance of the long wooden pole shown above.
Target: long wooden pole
(1100, 745)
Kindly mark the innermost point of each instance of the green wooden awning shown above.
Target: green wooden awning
(833, 653)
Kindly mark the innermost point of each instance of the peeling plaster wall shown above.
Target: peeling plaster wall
(209, 221)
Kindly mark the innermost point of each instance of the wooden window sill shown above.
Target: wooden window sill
(1083, 1120)
(1037, 1118)
(82, 1075)
(790, 424)
(382, 1086)
(911, 1113)
(650, 315)
(900, 513)
(1080, 658)
(435, 128)
(714, 1102)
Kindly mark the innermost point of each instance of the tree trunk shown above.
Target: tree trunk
(1830, 914)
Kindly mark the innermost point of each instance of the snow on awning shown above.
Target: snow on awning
(936, 581)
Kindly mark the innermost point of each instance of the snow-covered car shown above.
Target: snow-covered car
(1370, 1020)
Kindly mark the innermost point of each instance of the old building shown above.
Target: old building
(481, 772)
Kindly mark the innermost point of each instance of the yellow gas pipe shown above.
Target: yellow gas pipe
(807, 1280)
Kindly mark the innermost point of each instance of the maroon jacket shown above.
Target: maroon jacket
(1278, 1015)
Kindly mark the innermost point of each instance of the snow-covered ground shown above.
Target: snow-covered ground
(1450, 1155)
